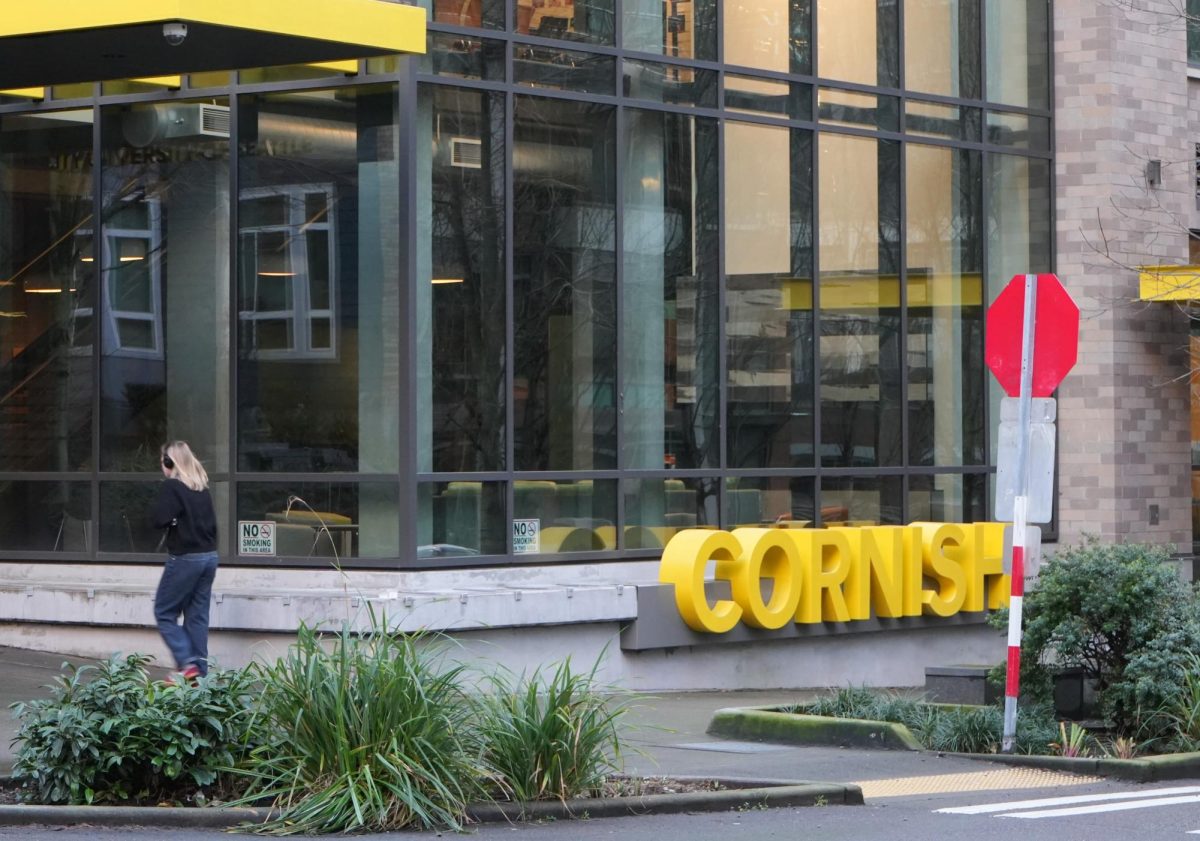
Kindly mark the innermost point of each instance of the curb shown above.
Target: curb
(166, 816)
(751, 794)
(1174, 766)
(765, 724)
(757, 794)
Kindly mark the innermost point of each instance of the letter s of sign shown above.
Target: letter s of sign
(683, 564)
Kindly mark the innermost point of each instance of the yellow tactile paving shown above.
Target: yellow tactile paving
(1001, 779)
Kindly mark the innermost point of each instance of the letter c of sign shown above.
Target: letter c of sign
(683, 564)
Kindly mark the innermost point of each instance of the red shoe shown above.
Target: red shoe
(189, 674)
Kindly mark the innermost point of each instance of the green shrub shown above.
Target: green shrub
(1179, 714)
(549, 736)
(110, 734)
(1119, 612)
(944, 727)
(368, 734)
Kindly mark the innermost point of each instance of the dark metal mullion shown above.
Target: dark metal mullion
(622, 149)
(815, 211)
(722, 319)
(902, 362)
(98, 316)
(902, 269)
(234, 319)
(510, 327)
(409, 492)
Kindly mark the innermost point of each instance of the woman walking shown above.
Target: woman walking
(185, 509)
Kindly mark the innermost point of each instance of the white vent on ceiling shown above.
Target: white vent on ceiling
(466, 152)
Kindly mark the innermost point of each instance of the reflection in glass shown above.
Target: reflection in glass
(860, 301)
(485, 13)
(769, 34)
(124, 512)
(462, 57)
(933, 119)
(946, 376)
(46, 301)
(1019, 231)
(460, 519)
(655, 509)
(1018, 53)
(164, 281)
(326, 520)
(564, 209)
(568, 70)
(46, 517)
(941, 47)
(948, 498)
(768, 268)
(460, 296)
(862, 500)
(318, 285)
(858, 110)
(590, 21)
(778, 501)
(669, 83)
(768, 97)
(671, 308)
(847, 31)
(572, 516)
(679, 28)
(1193, 36)
(1020, 131)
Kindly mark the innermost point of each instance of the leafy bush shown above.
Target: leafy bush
(549, 736)
(945, 727)
(1119, 612)
(1179, 714)
(370, 734)
(108, 733)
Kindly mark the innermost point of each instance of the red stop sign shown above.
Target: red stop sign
(1056, 335)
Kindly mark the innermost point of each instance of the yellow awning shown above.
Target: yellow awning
(51, 42)
(1169, 283)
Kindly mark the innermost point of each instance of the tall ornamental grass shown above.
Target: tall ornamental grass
(363, 733)
(550, 735)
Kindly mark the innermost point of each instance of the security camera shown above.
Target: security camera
(175, 33)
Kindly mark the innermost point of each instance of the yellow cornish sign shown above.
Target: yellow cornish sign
(836, 574)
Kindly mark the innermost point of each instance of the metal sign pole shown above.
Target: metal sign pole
(1020, 527)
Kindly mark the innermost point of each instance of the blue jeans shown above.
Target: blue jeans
(186, 587)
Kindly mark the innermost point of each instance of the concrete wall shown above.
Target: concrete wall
(522, 617)
(1121, 99)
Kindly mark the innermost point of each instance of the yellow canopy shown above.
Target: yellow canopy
(50, 42)
(1169, 283)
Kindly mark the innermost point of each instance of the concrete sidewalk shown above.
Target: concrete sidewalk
(666, 734)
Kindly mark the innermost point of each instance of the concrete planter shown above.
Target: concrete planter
(735, 793)
(765, 724)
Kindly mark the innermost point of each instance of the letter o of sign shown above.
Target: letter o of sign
(767, 553)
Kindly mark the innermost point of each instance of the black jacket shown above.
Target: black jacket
(189, 517)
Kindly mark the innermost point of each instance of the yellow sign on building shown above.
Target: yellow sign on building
(836, 574)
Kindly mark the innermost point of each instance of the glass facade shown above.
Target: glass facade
(582, 276)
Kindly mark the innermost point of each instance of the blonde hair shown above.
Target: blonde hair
(188, 468)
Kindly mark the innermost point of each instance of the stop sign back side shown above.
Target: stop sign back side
(1056, 335)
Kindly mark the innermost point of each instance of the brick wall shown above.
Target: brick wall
(1121, 99)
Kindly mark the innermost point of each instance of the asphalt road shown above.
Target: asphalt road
(1158, 816)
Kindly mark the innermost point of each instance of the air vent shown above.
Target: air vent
(466, 152)
(214, 119)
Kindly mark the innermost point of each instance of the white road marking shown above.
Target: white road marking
(1067, 801)
(1105, 807)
